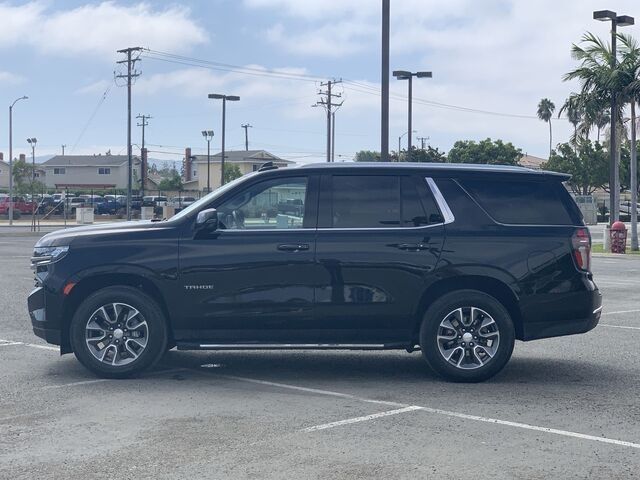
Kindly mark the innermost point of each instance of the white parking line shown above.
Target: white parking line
(373, 416)
(507, 423)
(100, 380)
(30, 345)
(619, 326)
(620, 311)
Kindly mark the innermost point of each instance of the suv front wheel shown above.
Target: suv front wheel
(467, 336)
(118, 332)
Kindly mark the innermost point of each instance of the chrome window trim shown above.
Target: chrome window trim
(440, 200)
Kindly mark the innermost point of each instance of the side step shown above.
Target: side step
(289, 346)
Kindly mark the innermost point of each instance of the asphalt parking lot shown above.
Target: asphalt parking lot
(562, 408)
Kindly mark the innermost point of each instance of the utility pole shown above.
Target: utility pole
(246, 127)
(63, 147)
(384, 121)
(11, 157)
(422, 140)
(144, 121)
(224, 98)
(333, 137)
(130, 75)
(328, 105)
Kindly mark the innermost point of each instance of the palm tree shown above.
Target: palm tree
(545, 112)
(574, 107)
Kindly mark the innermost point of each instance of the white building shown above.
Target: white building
(4, 175)
(84, 172)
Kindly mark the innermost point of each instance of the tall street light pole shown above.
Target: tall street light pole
(405, 75)
(623, 21)
(11, 157)
(32, 141)
(224, 98)
(208, 136)
(384, 107)
(400, 142)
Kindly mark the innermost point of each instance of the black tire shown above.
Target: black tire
(156, 331)
(477, 365)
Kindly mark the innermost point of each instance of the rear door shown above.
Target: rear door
(379, 239)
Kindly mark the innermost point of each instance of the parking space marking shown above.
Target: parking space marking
(464, 416)
(619, 326)
(365, 418)
(620, 312)
(30, 345)
(100, 380)
(6, 344)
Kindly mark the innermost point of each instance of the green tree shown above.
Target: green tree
(588, 165)
(367, 156)
(484, 152)
(171, 182)
(428, 155)
(545, 111)
(231, 172)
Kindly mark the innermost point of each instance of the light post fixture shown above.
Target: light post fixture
(11, 157)
(622, 21)
(405, 75)
(224, 98)
(208, 135)
(32, 141)
(400, 141)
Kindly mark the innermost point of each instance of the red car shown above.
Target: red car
(20, 206)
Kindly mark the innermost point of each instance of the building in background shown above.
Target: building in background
(4, 173)
(246, 160)
(529, 161)
(89, 172)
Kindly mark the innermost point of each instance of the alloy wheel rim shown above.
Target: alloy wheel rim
(468, 338)
(116, 334)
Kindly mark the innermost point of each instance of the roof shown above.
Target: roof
(87, 160)
(434, 167)
(531, 161)
(240, 156)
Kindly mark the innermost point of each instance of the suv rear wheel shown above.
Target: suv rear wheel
(467, 336)
(118, 332)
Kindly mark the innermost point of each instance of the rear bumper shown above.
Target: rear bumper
(37, 312)
(538, 330)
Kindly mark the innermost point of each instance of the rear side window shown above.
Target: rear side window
(380, 201)
(521, 202)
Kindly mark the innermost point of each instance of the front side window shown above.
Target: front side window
(104, 171)
(268, 205)
(58, 171)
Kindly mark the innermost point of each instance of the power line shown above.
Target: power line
(91, 117)
(326, 101)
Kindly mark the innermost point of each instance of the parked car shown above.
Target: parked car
(290, 206)
(20, 206)
(458, 260)
(181, 202)
(154, 201)
(108, 207)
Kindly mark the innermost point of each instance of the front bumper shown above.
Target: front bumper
(37, 311)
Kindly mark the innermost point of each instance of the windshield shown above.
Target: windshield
(198, 205)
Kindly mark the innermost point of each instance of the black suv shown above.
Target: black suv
(457, 260)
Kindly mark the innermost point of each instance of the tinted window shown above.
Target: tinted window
(366, 201)
(418, 206)
(272, 204)
(520, 202)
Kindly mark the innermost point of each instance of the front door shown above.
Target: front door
(379, 239)
(253, 279)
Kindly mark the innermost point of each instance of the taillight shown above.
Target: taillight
(581, 243)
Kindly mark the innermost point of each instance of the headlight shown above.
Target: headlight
(47, 255)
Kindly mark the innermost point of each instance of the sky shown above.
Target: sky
(492, 62)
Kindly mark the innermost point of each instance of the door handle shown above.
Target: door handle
(412, 246)
(293, 247)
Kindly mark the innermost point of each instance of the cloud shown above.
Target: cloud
(99, 29)
(8, 78)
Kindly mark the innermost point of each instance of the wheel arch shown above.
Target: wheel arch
(489, 285)
(90, 284)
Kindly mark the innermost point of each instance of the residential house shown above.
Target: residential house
(4, 173)
(247, 161)
(530, 161)
(90, 172)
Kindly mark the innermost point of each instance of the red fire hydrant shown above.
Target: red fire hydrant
(618, 234)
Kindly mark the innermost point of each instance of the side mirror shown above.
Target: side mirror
(207, 220)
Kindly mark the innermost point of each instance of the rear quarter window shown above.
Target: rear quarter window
(523, 202)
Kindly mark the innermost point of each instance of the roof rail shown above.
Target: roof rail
(267, 166)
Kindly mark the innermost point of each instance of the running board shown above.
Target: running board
(289, 346)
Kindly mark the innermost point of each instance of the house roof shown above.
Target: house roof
(243, 156)
(87, 160)
(530, 161)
